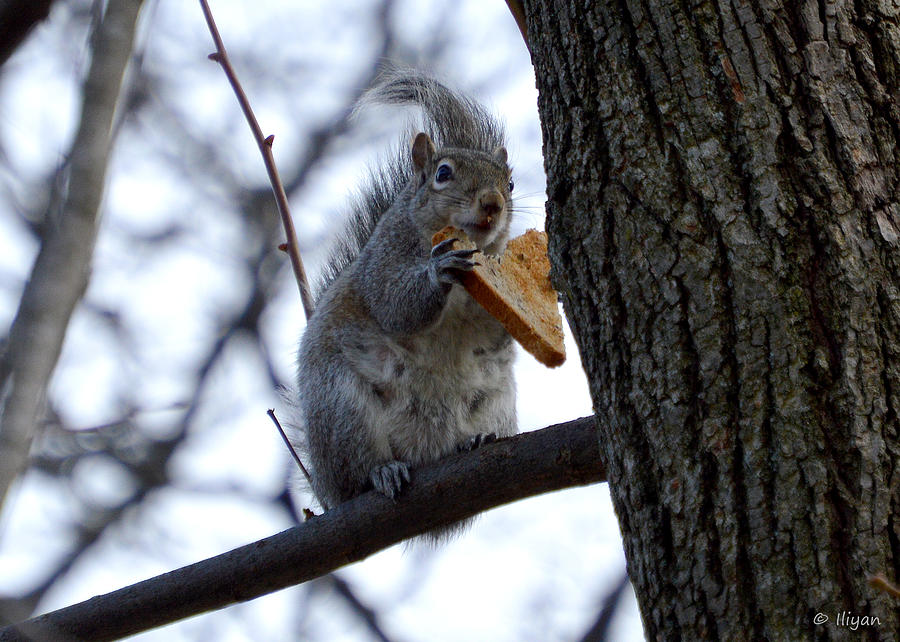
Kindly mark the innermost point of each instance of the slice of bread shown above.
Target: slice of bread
(516, 291)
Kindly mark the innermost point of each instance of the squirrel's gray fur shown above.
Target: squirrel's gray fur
(449, 118)
(398, 366)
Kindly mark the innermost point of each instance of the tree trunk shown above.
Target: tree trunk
(724, 224)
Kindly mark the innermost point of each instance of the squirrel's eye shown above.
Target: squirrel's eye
(512, 185)
(444, 173)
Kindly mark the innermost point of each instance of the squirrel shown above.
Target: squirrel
(398, 365)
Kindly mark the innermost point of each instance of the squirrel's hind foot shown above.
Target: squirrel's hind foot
(389, 478)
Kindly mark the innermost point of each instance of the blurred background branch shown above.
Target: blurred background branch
(17, 19)
(62, 267)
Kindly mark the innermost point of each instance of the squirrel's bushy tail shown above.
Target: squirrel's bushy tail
(450, 118)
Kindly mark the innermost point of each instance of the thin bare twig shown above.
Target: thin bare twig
(265, 147)
(287, 442)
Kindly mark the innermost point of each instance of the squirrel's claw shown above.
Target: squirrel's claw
(475, 441)
(446, 247)
(443, 246)
(389, 478)
(446, 264)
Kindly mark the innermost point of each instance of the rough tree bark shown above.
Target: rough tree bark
(724, 223)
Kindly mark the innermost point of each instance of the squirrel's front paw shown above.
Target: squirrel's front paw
(447, 264)
(389, 478)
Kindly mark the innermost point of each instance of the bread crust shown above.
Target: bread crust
(516, 291)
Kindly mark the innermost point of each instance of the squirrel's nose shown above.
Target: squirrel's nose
(490, 203)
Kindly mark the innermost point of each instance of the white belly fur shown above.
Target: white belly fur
(435, 390)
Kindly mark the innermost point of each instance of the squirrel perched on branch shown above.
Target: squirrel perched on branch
(398, 365)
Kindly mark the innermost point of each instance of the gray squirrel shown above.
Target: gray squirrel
(398, 365)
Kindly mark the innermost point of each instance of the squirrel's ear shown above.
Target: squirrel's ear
(500, 155)
(422, 151)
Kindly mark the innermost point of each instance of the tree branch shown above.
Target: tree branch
(61, 270)
(452, 489)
